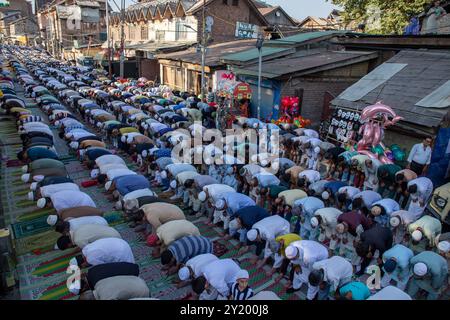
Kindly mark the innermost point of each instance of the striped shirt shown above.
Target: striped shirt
(241, 295)
(188, 247)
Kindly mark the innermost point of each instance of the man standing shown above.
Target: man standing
(420, 157)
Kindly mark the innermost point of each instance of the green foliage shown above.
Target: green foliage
(394, 14)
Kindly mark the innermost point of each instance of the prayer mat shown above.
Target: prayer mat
(30, 227)
(14, 163)
(37, 244)
(89, 183)
(219, 249)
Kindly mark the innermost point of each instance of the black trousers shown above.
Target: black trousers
(417, 168)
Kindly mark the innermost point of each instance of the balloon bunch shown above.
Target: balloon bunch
(375, 119)
(290, 105)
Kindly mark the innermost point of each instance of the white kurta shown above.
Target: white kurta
(199, 263)
(70, 199)
(108, 159)
(108, 250)
(78, 222)
(337, 271)
(221, 274)
(47, 191)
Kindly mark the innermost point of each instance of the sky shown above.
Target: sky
(298, 9)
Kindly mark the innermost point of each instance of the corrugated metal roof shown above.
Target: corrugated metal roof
(252, 54)
(305, 63)
(213, 54)
(426, 71)
(270, 47)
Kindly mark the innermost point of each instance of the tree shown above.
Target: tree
(394, 14)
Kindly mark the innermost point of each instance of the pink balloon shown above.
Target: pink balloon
(385, 160)
(368, 153)
(371, 111)
(376, 134)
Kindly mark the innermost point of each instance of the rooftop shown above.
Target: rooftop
(415, 83)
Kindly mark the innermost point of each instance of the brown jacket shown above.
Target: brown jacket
(78, 212)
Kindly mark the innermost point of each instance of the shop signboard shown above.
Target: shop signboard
(246, 30)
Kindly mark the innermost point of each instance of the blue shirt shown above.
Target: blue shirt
(334, 186)
(163, 153)
(236, 201)
(36, 153)
(359, 290)
(251, 215)
(129, 183)
(94, 153)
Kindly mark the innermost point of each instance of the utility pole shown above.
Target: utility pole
(107, 39)
(259, 45)
(122, 38)
(204, 41)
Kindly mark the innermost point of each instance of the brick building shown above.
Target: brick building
(16, 9)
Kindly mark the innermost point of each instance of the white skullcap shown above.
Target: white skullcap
(129, 139)
(202, 196)
(255, 125)
(57, 122)
(316, 149)
(264, 162)
(131, 204)
(52, 219)
(340, 228)
(30, 196)
(108, 185)
(74, 145)
(252, 234)
(314, 222)
(325, 195)
(41, 203)
(164, 174)
(68, 135)
(33, 186)
(417, 235)
(73, 262)
(118, 205)
(116, 193)
(394, 221)
(444, 246)
(220, 204)
(173, 126)
(95, 173)
(123, 139)
(144, 153)
(24, 169)
(99, 124)
(25, 177)
(233, 224)
(173, 184)
(275, 165)
(291, 252)
(242, 274)
(184, 274)
(420, 269)
(254, 158)
(38, 178)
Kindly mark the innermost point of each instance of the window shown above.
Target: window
(144, 32)
(131, 32)
(180, 31)
(225, 2)
(160, 35)
(236, 3)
